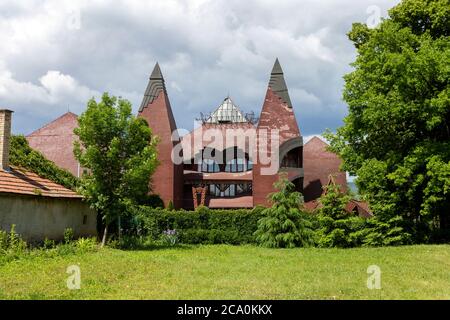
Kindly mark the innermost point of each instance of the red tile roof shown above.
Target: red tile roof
(360, 208)
(19, 181)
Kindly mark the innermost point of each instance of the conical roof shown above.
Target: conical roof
(277, 83)
(227, 112)
(155, 86)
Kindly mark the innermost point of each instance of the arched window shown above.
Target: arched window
(292, 159)
(236, 165)
(208, 165)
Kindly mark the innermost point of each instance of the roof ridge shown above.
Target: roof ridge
(316, 138)
(51, 122)
(20, 180)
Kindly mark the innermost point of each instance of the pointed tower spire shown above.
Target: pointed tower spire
(278, 118)
(156, 110)
(156, 73)
(277, 83)
(154, 87)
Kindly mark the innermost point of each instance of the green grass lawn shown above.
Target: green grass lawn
(229, 272)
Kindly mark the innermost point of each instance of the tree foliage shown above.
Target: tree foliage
(396, 137)
(336, 227)
(284, 225)
(120, 154)
(23, 156)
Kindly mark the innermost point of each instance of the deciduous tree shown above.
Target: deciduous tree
(120, 154)
(396, 137)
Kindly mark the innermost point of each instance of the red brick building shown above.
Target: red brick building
(230, 161)
(55, 141)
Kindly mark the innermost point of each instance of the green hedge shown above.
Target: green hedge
(203, 226)
(208, 226)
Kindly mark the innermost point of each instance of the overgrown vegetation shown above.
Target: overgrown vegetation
(284, 225)
(396, 137)
(335, 227)
(13, 247)
(23, 156)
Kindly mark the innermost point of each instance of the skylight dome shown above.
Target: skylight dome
(227, 112)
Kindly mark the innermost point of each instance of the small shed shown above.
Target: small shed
(38, 207)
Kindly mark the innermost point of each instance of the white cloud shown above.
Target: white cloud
(55, 53)
(54, 88)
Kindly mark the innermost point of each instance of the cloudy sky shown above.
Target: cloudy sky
(55, 55)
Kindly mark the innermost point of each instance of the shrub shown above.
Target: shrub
(203, 226)
(284, 225)
(3, 241)
(86, 244)
(11, 245)
(132, 242)
(389, 232)
(15, 244)
(48, 244)
(68, 235)
(343, 233)
(335, 226)
(169, 238)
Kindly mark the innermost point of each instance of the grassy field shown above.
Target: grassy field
(227, 272)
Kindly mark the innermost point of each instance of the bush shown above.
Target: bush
(48, 244)
(12, 247)
(169, 238)
(68, 235)
(86, 244)
(11, 243)
(343, 233)
(203, 226)
(132, 242)
(284, 225)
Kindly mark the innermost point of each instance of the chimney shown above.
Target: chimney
(5, 134)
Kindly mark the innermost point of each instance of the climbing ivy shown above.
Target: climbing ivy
(22, 155)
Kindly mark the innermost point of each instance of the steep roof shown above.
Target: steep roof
(23, 182)
(278, 84)
(155, 85)
(55, 141)
(156, 110)
(55, 127)
(277, 112)
(227, 112)
(318, 165)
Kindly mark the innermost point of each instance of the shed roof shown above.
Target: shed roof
(22, 182)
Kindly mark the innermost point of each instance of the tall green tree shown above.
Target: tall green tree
(120, 154)
(396, 137)
(336, 227)
(284, 225)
